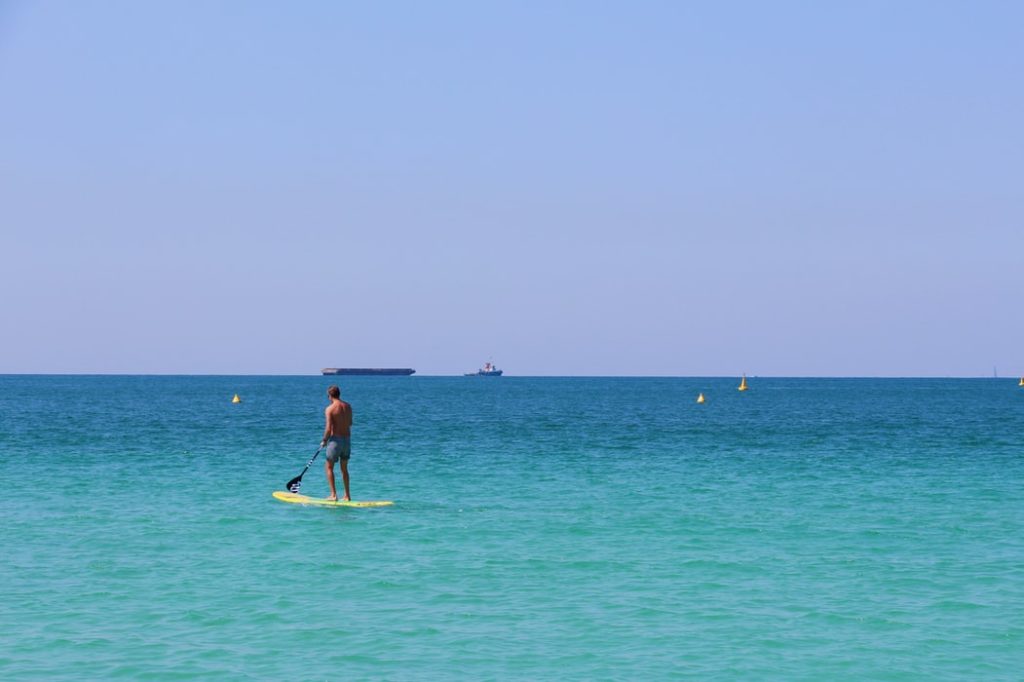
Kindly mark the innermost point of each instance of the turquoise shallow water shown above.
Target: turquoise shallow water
(571, 528)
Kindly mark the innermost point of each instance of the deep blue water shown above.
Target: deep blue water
(543, 528)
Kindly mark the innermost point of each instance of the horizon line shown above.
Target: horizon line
(518, 376)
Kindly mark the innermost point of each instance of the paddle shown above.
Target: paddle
(296, 483)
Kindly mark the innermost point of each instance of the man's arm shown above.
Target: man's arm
(327, 427)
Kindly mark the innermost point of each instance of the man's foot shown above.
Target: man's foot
(346, 499)
(332, 498)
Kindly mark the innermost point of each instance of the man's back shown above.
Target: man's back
(339, 416)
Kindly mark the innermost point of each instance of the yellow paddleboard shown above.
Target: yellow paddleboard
(321, 502)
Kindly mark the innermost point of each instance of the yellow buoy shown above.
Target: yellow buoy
(236, 399)
(700, 398)
(1021, 382)
(743, 383)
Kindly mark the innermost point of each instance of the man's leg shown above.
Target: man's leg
(329, 468)
(344, 477)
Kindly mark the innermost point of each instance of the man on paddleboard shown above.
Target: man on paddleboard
(337, 439)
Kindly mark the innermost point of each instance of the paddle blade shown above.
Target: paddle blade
(296, 483)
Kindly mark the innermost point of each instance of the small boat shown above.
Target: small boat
(488, 370)
(1021, 382)
(743, 384)
(700, 398)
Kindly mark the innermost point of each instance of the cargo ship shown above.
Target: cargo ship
(488, 370)
(368, 371)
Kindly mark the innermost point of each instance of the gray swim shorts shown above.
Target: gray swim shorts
(338, 447)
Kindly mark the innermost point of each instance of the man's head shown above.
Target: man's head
(334, 391)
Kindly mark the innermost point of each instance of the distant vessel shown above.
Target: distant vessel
(743, 384)
(368, 371)
(488, 370)
(1021, 382)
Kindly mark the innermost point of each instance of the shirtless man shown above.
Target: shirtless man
(337, 439)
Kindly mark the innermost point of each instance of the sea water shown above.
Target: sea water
(543, 528)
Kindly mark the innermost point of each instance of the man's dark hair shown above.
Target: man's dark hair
(334, 391)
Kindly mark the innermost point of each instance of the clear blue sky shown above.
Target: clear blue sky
(777, 188)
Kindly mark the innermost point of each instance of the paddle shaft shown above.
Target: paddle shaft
(298, 479)
(311, 460)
